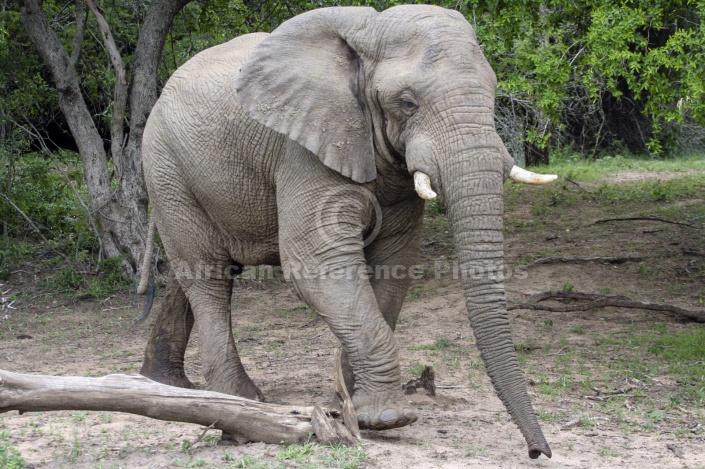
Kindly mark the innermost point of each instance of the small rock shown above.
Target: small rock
(441, 453)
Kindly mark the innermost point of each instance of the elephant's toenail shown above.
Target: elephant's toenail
(363, 420)
(410, 416)
(389, 416)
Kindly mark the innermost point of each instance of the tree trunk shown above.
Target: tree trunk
(121, 213)
(143, 96)
(535, 156)
(249, 420)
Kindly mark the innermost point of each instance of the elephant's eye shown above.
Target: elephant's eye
(408, 106)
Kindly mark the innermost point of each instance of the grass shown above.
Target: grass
(682, 354)
(10, 457)
(549, 204)
(420, 291)
(329, 456)
(472, 451)
(440, 344)
(579, 168)
(73, 279)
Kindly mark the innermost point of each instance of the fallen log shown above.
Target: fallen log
(245, 419)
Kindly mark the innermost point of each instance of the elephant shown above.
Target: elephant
(313, 148)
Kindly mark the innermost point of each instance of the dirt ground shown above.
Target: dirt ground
(600, 401)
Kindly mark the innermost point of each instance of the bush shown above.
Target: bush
(595, 75)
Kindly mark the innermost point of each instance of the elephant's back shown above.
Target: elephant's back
(198, 111)
(208, 78)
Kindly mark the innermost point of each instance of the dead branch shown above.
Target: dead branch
(692, 252)
(249, 420)
(34, 225)
(427, 380)
(584, 260)
(349, 415)
(590, 194)
(591, 301)
(662, 220)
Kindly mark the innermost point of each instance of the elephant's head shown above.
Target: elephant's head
(410, 85)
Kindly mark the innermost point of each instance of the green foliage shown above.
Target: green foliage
(74, 277)
(10, 457)
(37, 188)
(566, 68)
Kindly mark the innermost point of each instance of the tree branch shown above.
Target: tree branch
(77, 41)
(590, 194)
(662, 220)
(601, 301)
(34, 226)
(584, 260)
(117, 124)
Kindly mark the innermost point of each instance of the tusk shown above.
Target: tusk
(527, 177)
(422, 184)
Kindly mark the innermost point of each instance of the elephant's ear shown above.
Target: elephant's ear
(306, 81)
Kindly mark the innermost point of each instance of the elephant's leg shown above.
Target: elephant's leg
(222, 368)
(350, 309)
(164, 355)
(198, 255)
(390, 257)
(324, 258)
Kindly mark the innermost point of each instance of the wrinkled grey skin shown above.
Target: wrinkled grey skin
(253, 141)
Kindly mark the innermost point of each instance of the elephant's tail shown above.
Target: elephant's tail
(147, 276)
(147, 260)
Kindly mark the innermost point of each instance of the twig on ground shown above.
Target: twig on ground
(590, 194)
(571, 424)
(584, 260)
(203, 434)
(692, 252)
(609, 396)
(591, 301)
(677, 452)
(662, 220)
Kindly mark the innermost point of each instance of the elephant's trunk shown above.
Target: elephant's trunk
(471, 183)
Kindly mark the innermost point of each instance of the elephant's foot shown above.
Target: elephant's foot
(173, 378)
(249, 390)
(377, 413)
(242, 386)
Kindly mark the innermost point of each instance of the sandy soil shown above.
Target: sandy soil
(287, 350)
